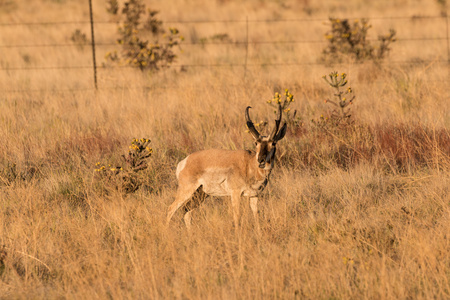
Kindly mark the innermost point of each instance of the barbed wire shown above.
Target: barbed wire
(212, 65)
(284, 64)
(86, 22)
(216, 43)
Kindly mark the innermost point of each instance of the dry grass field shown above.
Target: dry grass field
(358, 210)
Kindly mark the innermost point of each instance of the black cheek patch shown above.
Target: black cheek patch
(271, 155)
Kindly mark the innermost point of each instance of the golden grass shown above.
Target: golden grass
(355, 212)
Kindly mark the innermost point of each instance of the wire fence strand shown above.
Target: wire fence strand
(87, 22)
(230, 65)
(443, 38)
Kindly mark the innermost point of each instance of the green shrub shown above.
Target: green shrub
(126, 177)
(134, 33)
(113, 7)
(79, 38)
(293, 121)
(343, 97)
(350, 39)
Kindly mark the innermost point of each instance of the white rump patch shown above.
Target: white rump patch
(181, 166)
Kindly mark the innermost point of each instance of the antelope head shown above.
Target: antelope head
(266, 145)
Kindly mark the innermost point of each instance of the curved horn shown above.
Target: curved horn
(250, 125)
(277, 123)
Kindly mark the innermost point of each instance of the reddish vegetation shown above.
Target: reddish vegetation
(394, 147)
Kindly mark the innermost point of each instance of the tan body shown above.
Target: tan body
(232, 173)
(222, 172)
(219, 173)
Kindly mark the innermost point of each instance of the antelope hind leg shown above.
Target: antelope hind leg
(184, 193)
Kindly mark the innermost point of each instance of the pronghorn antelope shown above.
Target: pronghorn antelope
(227, 173)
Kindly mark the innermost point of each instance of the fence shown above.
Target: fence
(437, 52)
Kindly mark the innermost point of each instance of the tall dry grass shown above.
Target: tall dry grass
(358, 211)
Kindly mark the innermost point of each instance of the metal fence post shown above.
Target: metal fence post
(93, 43)
(448, 45)
(246, 48)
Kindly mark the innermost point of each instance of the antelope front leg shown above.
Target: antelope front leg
(187, 220)
(254, 207)
(235, 199)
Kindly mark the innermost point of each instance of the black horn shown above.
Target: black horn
(250, 125)
(277, 123)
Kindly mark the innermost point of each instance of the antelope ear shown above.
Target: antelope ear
(280, 134)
